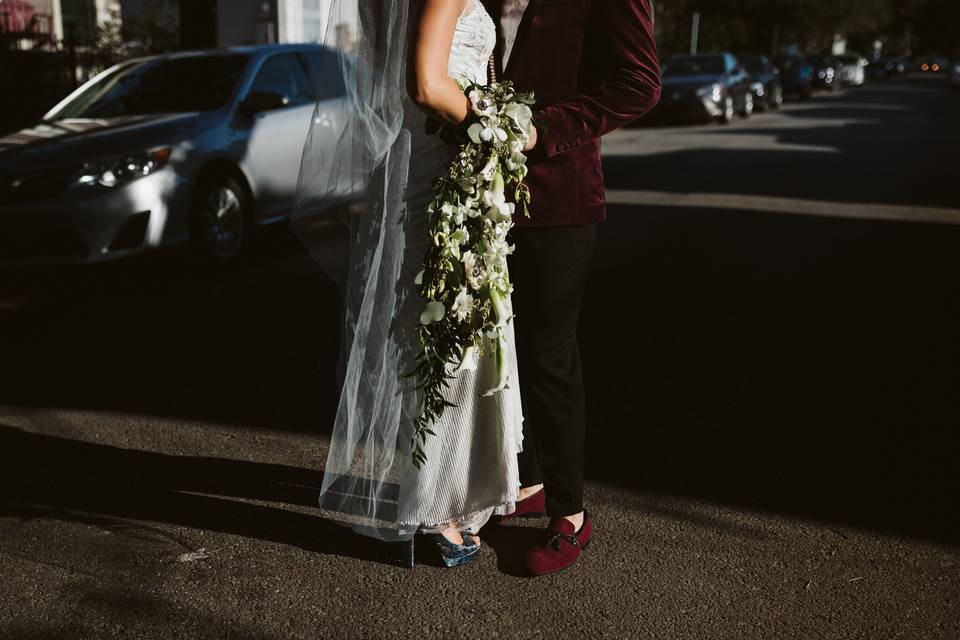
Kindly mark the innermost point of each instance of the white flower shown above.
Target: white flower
(490, 168)
(461, 236)
(482, 102)
(469, 360)
(520, 114)
(502, 311)
(475, 273)
(434, 312)
(500, 362)
(462, 305)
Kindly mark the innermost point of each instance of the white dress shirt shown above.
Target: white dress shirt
(510, 22)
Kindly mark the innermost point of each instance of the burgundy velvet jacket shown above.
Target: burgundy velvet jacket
(594, 67)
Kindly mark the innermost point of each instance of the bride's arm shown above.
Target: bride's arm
(430, 84)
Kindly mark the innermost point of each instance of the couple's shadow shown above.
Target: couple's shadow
(49, 477)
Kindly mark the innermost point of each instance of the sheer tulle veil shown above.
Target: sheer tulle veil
(350, 207)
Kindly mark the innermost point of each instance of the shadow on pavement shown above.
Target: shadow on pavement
(62, 479)
(803, 366)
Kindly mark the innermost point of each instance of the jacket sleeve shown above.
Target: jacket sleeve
(629, 85)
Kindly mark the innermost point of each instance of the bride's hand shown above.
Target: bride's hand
(532, 142)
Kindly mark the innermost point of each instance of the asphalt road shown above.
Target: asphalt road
(770, 340)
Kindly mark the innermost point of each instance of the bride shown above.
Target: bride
(401, 85)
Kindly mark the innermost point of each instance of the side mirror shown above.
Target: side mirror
(260, 101)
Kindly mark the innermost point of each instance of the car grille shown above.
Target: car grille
(22, 187)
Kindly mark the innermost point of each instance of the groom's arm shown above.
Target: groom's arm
(628, 88)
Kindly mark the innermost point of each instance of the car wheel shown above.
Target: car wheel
(747, 109)
(776, 98)
(222, 219)
(728, 111)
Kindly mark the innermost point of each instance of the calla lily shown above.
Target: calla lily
(434, 312)
(490, 168)
(500, 362)
(501, 307)
(469, 360)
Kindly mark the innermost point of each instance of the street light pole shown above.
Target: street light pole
(695, 33)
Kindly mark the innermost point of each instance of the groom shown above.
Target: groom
(594, 68)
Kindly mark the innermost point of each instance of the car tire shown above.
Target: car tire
(747, 109)
(726, 117)
(222, 225)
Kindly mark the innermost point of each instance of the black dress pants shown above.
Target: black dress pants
(549, 272)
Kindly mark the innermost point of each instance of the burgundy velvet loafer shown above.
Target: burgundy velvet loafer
(561, 546)
(534, 506)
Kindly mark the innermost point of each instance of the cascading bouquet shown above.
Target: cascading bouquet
(465, 278)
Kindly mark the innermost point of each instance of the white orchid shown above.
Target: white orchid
(462, 305)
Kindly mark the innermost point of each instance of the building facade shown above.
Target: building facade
(226, 23)
(54, 22)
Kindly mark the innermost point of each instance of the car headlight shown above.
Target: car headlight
(715, 91)
(113, 172)
(956, 70)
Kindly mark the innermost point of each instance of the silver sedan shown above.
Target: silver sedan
(195, 147)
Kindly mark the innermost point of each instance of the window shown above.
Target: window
(174, 85)
(313, 15)
(284, 75)
(326, 74)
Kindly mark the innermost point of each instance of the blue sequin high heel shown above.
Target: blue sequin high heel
(451, 553)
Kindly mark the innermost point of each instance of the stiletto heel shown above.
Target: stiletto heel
(407, 554)
(451, 553)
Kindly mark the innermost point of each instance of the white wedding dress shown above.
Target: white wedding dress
(471, 470)
(370, 482)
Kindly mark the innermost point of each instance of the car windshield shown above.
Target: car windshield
(695, 66)
(169, 85)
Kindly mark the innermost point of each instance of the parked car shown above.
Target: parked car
(705, 86)
(888, 67)
(796, 75)
(825, 73)
(765, 83)
(195, 146)
(851, 69)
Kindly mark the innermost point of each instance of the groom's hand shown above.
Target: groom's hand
(532, 142)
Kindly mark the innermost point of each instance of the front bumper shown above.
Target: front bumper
(684, 106)
(82, 226)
